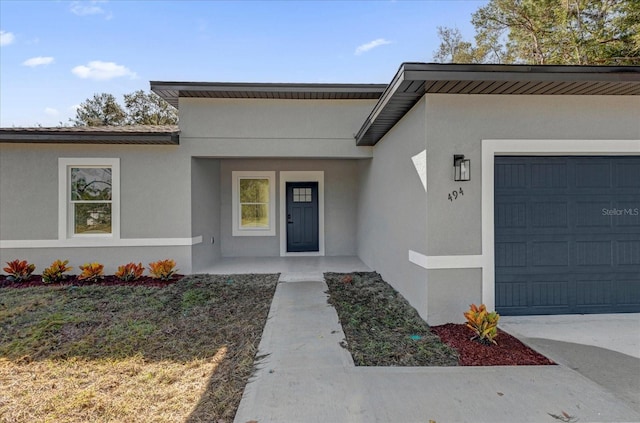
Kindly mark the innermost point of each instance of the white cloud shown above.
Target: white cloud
(38, 61)
(101, 71)
(51, 111)
(6, 38)
(84, 8)
(371, 45)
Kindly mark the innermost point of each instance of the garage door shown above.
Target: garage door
(567, 235)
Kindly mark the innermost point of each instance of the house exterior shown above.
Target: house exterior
(547, 223)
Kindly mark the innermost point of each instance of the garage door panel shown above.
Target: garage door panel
(549, 214)
(511, 254)
(594, 253)
(549, 175)
(549, 253)
(628, 253)
(567, 235)
(589, 214)
(627, 175)
(628, 292)
(590, 174)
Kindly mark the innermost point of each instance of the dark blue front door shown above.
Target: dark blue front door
(302, 216)
(567, 235)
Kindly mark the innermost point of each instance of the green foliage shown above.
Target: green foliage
(162, 269)
(545, 32)
(91, 272)
(140, 108)
(100, 110)
(129, 272)
(56, 272)
(19, 270)
(149, 109)
(482, 323)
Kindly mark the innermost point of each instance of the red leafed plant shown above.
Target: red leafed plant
(56, 272)
(162, 269)
(19, 270)
(482, 323)
(91, 272)
(129, 272)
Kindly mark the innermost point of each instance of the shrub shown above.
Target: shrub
(162, 269)
(129, 272)
(19, 270)
(91, 272)
(482, 323)
(56, 272)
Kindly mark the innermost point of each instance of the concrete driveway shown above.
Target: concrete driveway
(602, 347)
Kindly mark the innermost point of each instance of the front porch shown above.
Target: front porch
(292, 269)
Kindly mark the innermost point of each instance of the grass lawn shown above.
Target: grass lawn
(182, 353)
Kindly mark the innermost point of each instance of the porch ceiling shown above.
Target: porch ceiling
(413, 80)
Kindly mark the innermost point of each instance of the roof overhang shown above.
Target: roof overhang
(142, 134)
(414, 80)
(171, 91)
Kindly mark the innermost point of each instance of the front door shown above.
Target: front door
(302, 216)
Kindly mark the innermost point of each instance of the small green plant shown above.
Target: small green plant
(91, 272)
(162, 269)
(482, 323)
(19, 270)
(129, 272)
(56, 272)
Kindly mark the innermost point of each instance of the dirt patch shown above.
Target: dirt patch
(72, 280)
(380, 326)
(508, 352)
(382, 329)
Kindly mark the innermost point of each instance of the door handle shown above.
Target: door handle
(289, 219)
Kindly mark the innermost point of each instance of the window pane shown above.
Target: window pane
(254, 190)
(90, 183)
(93, 218)
(255, 216)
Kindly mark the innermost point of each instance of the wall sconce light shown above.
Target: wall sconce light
(461, 168)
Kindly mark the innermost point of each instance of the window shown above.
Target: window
(89, 198)
(253, 203)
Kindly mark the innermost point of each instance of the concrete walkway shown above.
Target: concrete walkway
(308, 377)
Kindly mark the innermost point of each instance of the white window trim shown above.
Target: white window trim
(301, 176)
(65, 231)
(235, 204)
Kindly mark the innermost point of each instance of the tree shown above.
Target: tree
(149, 109)
(572, 32)
(140, 109)
(453, 48)
(100, 110)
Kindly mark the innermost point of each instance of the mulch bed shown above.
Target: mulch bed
(72, 280)
(508, 352)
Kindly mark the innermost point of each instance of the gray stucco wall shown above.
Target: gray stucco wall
(456, 124)
(340, 192)
(154, 197)
(392, 208)
(273, 128)
(205, 212)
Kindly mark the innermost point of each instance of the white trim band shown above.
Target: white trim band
(82, 243)
(446, 262)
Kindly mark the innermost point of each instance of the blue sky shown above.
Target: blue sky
(55, 54)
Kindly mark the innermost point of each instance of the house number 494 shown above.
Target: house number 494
(453, 195)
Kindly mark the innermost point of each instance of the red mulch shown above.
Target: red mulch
(36, 280)
(508, 352)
